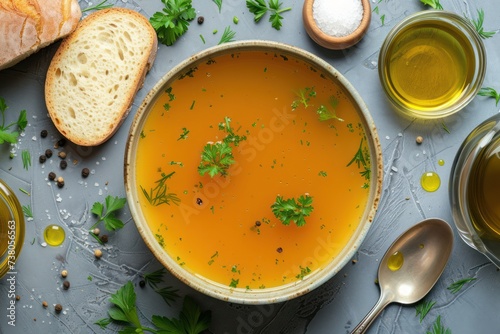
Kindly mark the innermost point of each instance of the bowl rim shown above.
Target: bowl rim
(241, 295)
(469, 33)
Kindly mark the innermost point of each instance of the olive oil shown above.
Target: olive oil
(482, 193)
(428, 66)
(395, 261)
(5, 217)
(54, 235)
(430, 181)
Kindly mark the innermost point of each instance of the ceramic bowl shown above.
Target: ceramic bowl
(333, 42)
(193, 201)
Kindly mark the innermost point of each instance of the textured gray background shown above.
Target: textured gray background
(335, 307)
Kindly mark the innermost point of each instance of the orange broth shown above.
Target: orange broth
(214, 231)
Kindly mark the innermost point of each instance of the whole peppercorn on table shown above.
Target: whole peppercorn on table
(70, 288)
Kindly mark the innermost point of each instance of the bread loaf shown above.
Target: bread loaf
(29, 25)
(96, 72)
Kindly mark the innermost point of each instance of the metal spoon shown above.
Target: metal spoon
(424, 249)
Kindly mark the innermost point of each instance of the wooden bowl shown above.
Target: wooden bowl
(332, 42)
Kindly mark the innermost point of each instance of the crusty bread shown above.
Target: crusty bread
(29, 25)
(96, 72)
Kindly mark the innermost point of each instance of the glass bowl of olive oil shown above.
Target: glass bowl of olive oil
(432, 64)
(11, 229)
(474, 184)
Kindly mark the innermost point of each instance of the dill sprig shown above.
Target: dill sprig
(458, 285)
(26, 157)
(423, 308)
(227, 35)
(99, 6)
(158, 195)
(478, 24)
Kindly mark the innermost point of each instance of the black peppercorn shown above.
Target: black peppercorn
(42, 159)
(85, 172)
(142, 283)
(199, 201)
(58, 308)
(201, 19)
(48, 153)
(43, 133)
(63, 164)
(279, 250)
(61, 142)
(60, 182)
(52, 176)
(66, 285)
(257, 223)
(103, 238)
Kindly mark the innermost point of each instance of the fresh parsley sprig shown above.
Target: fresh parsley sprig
(106, 213)
(490, 92)
(6, 133)
(191, 319)
(216, 158)
(292, 210)
(478, 24)
(173, 21)
(432, 3)
(259, 8)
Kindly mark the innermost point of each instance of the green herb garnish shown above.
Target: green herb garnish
(478, 24)
(423, 308)
(304, 97)
(259, 8)
(26, 157)
(227, 35)
(173, 21)
(433, 3)
(490, 92)
(107, 213)
(292, 210)
(27, 211)
(326, 114)
(7, 136)
(168, 294)
(231, 137)
(216, 158)
(99, 6)
(218, 3)
(458, 285)
(191, 319)
(438, 328)
(159, 195)
(303, 272)
(184, 134)
(234, 283)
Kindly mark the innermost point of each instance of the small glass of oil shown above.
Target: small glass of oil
(432, 64)
(11, 229)
(474, 181)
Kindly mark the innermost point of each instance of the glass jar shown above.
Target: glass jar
(11, 229)
(432, 64)
(474, 182)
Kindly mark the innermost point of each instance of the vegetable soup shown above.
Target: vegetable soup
(250, 174)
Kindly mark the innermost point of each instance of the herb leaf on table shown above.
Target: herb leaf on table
(6, 135)
(259, 8)
(173, 21)
(423, 308)
(478, 24)
(438, 328)
(108, 216)
(490, 92)
(432, 3)
(458, 285)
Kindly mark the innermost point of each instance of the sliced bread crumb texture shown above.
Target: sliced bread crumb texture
(96, 72)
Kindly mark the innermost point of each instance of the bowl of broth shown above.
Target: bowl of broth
(474, 184)
(432, 64)
(253, 171)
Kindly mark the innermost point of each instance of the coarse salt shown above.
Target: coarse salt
(337, 18)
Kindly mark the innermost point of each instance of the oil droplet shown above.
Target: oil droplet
(421, 246)
(54, 235)
(441, 162)
(395, 261)
(430, 181)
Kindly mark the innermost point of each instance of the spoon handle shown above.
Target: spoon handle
(383, 301)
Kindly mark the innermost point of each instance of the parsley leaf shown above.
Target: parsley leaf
(259, 8)
(191, 320)
(173, 21)
(216, 159)
(11, 136)
(112, 204)
(292, 210)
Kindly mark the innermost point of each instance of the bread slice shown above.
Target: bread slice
(96, 72)
(26, 26)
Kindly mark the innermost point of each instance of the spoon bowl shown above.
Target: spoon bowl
(411, 266)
